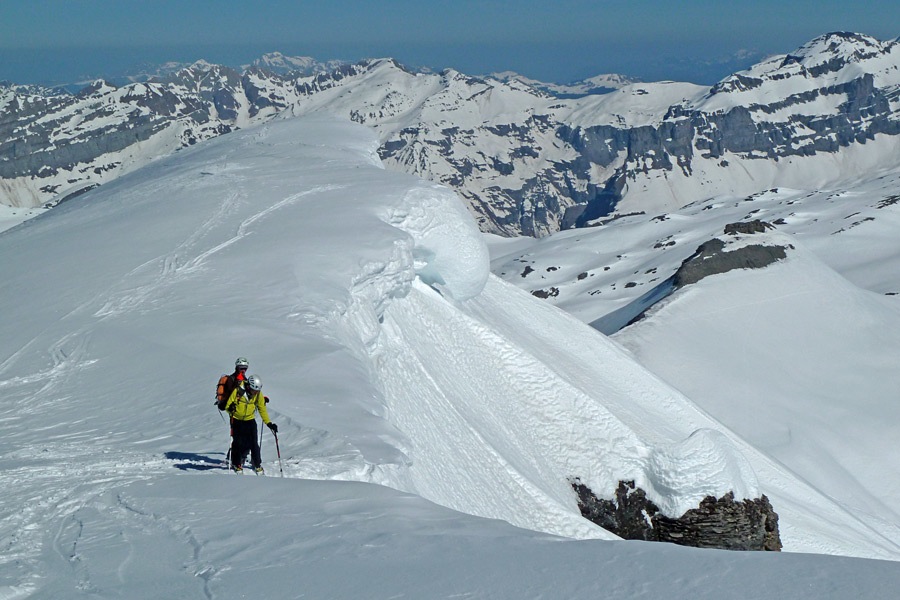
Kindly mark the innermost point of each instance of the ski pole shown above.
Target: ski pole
(280, 468)
(230, 444)
(227, 454)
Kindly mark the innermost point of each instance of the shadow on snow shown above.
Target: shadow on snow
(190, 461)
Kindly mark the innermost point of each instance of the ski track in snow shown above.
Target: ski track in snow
(494, 401)
(69, 518)
(185, 260)
(165, 266)
(59, 499)
(243, 229)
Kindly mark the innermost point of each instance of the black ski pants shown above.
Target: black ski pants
(243, 440)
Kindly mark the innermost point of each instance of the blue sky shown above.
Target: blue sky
(52, 41)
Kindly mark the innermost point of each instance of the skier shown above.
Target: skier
(242, 405)
(227, 383)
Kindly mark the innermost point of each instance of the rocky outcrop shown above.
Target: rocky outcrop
(712, 257)
(748, 227)
(716, 523)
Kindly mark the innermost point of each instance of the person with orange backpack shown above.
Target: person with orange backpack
(227, 383)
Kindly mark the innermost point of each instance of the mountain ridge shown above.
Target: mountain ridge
(525, 161)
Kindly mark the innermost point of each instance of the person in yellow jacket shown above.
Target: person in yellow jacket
(242, 405)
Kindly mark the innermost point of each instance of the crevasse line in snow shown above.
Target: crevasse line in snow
(448, 249)
(377, 283)
(438, 242)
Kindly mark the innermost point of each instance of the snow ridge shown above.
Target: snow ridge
(389, 355)
(386, 361)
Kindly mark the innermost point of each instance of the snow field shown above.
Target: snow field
(390, 357)
(820, 401)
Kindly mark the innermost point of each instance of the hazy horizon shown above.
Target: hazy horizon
(56, 42)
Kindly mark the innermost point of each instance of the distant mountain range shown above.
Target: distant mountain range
(529, 158)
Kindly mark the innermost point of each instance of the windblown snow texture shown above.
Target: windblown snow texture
(391, 356)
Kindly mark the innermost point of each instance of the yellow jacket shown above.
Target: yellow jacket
(243, 405)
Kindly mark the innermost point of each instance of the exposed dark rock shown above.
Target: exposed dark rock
(69, 196)
(889, 201)
(748, 227)
(712, 259)
(715, 523)
(551, 293)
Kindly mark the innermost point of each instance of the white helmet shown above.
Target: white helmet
(241, 363)
(254, 382)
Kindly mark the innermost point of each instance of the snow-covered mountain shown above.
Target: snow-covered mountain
(797, 356)
(142, 73)
(301, 65)
(525, 160)
(391, 356)
(599, 84)
(597, 271)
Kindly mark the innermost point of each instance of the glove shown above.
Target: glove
(273, 427)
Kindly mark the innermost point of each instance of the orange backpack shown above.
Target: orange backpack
(223, 390)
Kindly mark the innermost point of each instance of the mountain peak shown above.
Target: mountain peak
(202, 65)
(385, 63)
(839, 42)
(99, 86)
(836, 47)
(829, 59)
(281, 63)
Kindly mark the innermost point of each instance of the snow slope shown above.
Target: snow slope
(798, 358)
(798, 361)
(391, 355)
(594, 271)
(167, 538)
(11, 216)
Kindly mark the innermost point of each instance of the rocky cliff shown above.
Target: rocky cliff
(527, 160)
